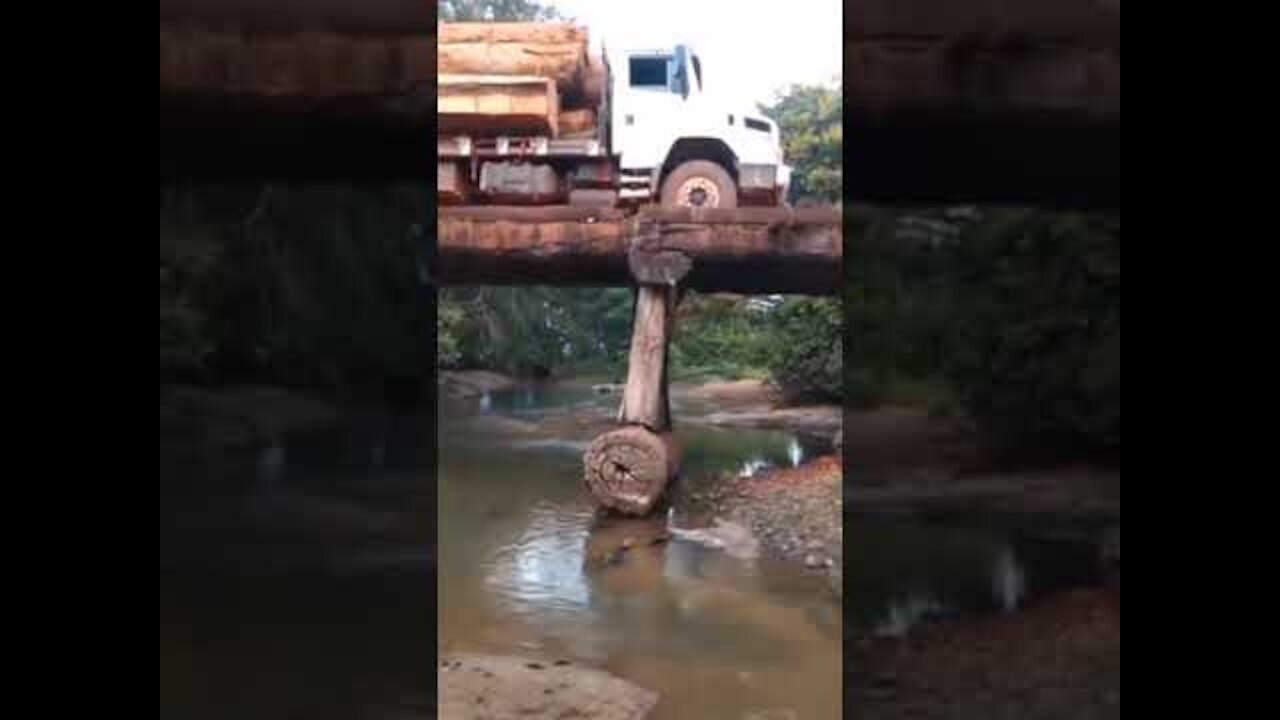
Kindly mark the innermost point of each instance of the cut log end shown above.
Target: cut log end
(627, 470)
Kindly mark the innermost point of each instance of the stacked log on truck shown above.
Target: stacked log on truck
(534, 79)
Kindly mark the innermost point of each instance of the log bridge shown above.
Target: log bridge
(661, 252)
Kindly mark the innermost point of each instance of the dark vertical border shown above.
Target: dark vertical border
(430, 297)
(849, 694)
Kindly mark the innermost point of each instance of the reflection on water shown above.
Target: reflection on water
(795, 453)
(539, 398)
(1008, 580)
(906, 572)
(270, 464)
(904, 614)
(542, 568)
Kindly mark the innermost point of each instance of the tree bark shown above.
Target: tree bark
(562, 62)
(543, 33)
(644, 402)
(768, 250)
(627, 470)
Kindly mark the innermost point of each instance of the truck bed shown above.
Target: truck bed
(492, 105)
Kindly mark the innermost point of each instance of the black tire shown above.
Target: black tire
(699, 183)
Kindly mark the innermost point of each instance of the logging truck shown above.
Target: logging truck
(526, 115)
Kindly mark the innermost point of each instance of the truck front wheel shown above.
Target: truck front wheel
(699, 183)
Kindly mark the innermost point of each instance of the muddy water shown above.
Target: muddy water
(521, 569)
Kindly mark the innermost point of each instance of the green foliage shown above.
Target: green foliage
(806, 348)
(1015, 320)
(1037, 350)
(186, 265)
(717, 336)
(450, 318)
(311, 286)
(494, 10)
(811, 119)
(536, 330)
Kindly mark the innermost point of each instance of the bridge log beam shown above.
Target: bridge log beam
(748, 250)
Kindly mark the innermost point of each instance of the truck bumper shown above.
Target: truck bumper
(764, 184)
(757, 177)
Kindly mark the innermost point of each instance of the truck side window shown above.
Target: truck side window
(697, 71)
(650, 72)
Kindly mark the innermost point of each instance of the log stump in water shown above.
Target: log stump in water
(626, 470)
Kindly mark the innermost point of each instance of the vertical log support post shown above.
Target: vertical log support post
(626, 470)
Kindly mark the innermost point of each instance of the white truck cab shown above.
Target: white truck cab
(683, 146)
(658, 136)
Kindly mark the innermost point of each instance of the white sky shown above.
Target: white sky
(750, 49)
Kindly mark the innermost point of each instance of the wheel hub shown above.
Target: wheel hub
(698, 192)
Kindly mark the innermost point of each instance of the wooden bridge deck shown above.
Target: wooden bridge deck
(746, 250)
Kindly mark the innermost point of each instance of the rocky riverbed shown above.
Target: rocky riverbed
(795, 514)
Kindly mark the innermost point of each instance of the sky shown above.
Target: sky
(750, 49)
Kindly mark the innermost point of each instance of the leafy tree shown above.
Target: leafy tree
(811, 119)
(493, 10)
(309, 286)
(1013, 315)
(537, 330)
(806, 348)
(1036, 343)
(718, 335)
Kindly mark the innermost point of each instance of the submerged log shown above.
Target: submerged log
(627, 470)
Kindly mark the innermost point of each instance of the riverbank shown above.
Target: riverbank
(906, 461)
(754, 404)
(796, 514)
(1058, 659)
(745, 403)
(472, 383)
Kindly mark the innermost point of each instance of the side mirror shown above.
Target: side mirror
(682, 70)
